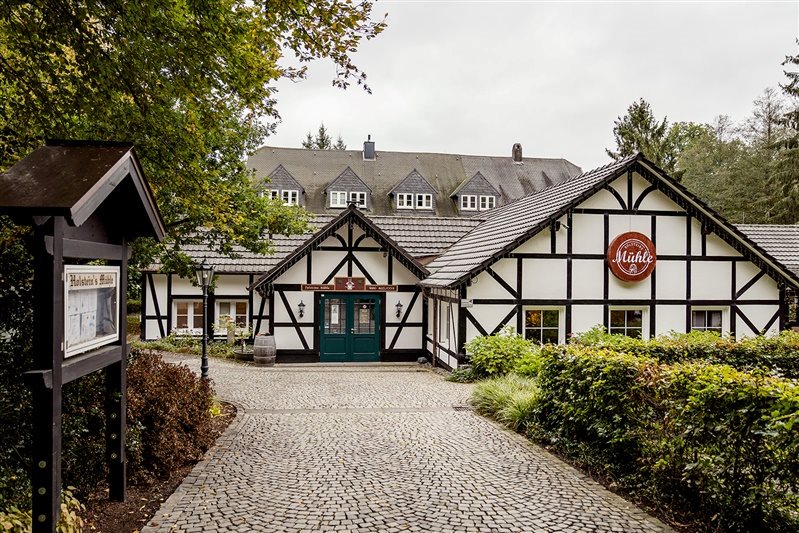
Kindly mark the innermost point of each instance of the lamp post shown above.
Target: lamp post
(205, 273)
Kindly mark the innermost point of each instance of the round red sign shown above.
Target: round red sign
(631, 256)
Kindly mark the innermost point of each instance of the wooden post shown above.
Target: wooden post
(48, 348)
(116, 395)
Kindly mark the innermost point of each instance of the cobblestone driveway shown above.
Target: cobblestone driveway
(377, 449)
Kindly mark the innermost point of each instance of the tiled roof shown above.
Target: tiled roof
(780, 241)
(510, 225)
(420, 237)
(316, 169)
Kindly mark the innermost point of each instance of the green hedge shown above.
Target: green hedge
(718, 444)
(777, 354)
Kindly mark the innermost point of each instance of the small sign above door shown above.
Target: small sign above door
(348, 284)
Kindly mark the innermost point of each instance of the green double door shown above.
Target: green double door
(349, 328)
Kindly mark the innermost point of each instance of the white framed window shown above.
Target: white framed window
(405, 200)
(627, 321)
(444, 323)
(543, 325)
(236, 310)
(338, 199)
(359, 198)
(290, 197)
(708, 320)
(468, 202)
(424, 201)
(187, 316)
(487, 202)
(270, 193)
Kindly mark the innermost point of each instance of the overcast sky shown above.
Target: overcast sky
(475, 77)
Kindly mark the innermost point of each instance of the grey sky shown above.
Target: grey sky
(475, 77)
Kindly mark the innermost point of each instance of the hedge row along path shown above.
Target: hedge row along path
(377, 448)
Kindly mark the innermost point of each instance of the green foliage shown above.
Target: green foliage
(186, 344)
(776, 355)
(510, 399)
(718, 446)
(169, 416)
(494, 355)
(463, 374)
(590, 404)
(191, 84)
(529, 364)
(640, 131)
(323, 140)
(785, 166)
(14, 520)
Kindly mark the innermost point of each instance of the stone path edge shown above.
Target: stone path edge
(217, 449)
(606, 494)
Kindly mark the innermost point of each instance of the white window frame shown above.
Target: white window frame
(444, 329)
(232, 312)
(484, 201)
(191, 330)
(468, 202)
(290, 197)
(561, 320)
(404, 200)
(338, 198)
(270, 193)
(644, 318)
(359, 198)
(725, 329)
(424, 201)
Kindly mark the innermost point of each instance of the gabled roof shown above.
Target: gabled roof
(283, 179)
(420, 237)
(511, 225)
(780, 241)
(347, 174)
(348, 216)
(413, 181)
(478, 177)
(315, 169)
(73, 178)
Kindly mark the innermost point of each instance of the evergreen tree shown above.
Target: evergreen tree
(322, 140)
(640, 131)
(785, 167)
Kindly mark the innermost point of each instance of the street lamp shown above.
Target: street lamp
(205, 273)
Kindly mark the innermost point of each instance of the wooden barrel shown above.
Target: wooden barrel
(264, 350)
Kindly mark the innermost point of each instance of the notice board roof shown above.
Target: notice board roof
(73, 178)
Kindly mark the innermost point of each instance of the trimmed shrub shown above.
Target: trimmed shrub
(725, 440)
(709, 440)
(591, 406)
(169, 416)
(495, 355)
(778, 354)
(186, 344)
(529, 364)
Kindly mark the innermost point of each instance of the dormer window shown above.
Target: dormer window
(358, 198)
(270, 193)
(424, 201)
(405, 200)
(290, 197)
(468, 202)
(487, 202)
(338, 199)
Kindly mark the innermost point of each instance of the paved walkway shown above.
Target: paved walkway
(374, 448)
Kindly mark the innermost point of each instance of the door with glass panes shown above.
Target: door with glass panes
(349, 328)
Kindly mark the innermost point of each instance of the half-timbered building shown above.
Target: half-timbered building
(623, 246)
(385, 277)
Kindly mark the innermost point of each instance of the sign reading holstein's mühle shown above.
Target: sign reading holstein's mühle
(91, 294)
